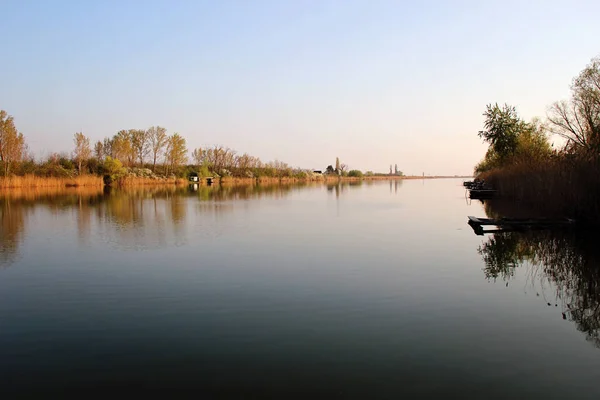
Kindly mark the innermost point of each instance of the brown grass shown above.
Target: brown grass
(555, 187)
(32, 181)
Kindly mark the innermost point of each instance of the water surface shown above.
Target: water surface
(372, 290)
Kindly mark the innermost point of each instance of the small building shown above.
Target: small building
(193, 177)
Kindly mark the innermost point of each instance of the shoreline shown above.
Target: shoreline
(30, 181)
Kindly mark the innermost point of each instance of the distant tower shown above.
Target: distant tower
(396, 169)
(390, 169)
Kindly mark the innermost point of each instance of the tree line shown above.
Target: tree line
(153, 148)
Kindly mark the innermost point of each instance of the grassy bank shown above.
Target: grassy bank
(558, 186)
(32, 181)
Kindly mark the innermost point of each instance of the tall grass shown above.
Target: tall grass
(557, 186)
(33, 181)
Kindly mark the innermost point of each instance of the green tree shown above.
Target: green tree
(114, 170)
(502, 127)
(122, 148)
(531, 145)
(532, 142)
(82, 151)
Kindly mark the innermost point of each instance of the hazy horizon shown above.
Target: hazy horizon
(373, 83)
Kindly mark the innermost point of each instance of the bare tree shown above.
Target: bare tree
(99, 151)
(82, 151)
(566, 120)
(157, 137)
(578, 120)
(122, 148)
(198, 157)
(12, 143)
(108, 148)
(140, 144)
(176, 152)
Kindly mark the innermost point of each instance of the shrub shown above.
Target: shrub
(114, 171)
(355, 173)
(204, 171)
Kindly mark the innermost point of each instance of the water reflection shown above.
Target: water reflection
(12, 224)
(562, 267)
(396, 183)
(133, 218)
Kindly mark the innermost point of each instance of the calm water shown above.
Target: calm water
(379, 290)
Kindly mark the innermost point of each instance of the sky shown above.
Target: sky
(371, 82)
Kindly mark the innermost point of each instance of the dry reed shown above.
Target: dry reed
(556, 187)
(32, 181)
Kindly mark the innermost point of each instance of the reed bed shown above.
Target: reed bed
(556, 186)
(33, 181)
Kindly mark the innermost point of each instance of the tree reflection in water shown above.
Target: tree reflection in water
(568, 262)
(136, 217)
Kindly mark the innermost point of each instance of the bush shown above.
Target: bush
(355, 173)
(204, 171)
(66, 163)
(94, 166)
(300, 175)
(114, 170)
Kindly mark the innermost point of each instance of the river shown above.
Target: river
(363, 290)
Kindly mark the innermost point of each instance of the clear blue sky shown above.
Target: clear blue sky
(372, 82)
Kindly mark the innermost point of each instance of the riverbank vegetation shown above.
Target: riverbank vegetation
(140, 157)
(558, 180)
